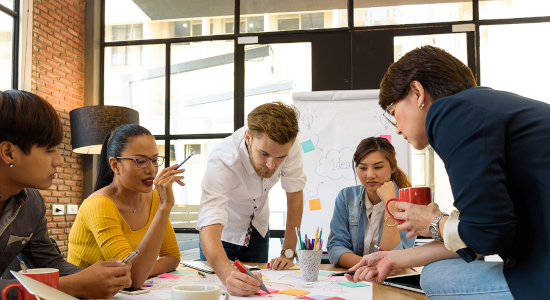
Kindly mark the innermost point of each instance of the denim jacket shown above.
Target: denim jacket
(347, 228)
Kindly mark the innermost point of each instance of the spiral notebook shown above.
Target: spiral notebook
(204, 266)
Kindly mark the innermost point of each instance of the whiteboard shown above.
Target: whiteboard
(332, 123)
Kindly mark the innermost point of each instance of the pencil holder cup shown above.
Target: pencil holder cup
(310, 261)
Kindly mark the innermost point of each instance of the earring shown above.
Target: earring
(422, 107)
(11, 165)
(117, 173)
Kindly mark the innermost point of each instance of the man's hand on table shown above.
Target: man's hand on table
(101, 280)
(281, 263)
(240, 284)
(375, 268)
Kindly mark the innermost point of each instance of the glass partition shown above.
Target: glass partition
(6, 47)
(503, 9)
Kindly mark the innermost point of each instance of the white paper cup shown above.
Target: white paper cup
(197, 292)
(310, 261)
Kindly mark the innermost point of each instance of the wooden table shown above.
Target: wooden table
(380, 292)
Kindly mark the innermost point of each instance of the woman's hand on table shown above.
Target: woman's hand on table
(373, 268)
(417, 218)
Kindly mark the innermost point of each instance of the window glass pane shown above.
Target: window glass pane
(202, 87)
(281, 70)
(275, 73)
(7, 3)
(502, 9)
(194, 167)
(454, 43)
(279, 15)
(137, 83)
(169, 19)
(514, 58)
(393, 12)
(6, 30)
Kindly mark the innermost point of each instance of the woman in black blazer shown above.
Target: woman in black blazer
(496, 150)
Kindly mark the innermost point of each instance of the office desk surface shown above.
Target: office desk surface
(380, 292)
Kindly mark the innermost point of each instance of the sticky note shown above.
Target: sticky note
(262, 293)
(184, 272)
(353, 284)
(307, 146)
(314, 204)
(297, 271)
(325, 273)
(294, 292)
(168, 275)
(315, 297)
(386, 136)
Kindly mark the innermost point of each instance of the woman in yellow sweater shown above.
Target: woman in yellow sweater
(125, 213)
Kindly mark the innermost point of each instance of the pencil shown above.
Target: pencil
(316, 239)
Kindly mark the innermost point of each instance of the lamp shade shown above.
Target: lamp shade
(90, 125)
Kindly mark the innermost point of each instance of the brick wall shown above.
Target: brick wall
(58, 76)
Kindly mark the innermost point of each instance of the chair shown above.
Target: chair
(184, 219)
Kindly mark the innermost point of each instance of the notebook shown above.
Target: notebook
(409, 282)
(41, 290)
(204, 266)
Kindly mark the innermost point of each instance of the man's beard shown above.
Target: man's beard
(261, 171)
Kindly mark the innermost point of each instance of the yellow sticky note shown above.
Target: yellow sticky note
(298, 271)
(314, 204)
(266, 278)
(294, 292)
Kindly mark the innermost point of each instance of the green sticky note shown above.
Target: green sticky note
(307, 146)
(183, 272)
(353, 284)
(325, 273)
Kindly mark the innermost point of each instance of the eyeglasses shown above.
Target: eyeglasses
(143, 162)
(389, 116)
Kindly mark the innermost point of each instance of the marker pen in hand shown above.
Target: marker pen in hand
(188, 157)
(130, 256)
(239, 265)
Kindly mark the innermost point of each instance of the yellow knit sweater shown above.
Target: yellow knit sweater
(101, 233)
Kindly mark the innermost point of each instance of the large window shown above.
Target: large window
(193, 73)
(9, 42)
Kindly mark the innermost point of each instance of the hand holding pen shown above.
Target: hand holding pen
(239, 265)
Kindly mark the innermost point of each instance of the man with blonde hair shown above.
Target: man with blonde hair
(234, 216)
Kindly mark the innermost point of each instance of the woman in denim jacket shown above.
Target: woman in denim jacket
(360, 224)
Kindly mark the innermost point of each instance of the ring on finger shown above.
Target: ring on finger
(164, 175)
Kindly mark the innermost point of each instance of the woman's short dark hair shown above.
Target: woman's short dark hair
(440, 73)
(382, 145)
(27, 119)
(114, 144)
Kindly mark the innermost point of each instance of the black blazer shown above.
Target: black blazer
(496, 149)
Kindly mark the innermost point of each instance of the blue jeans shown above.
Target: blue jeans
(257, 250)
(456, 280)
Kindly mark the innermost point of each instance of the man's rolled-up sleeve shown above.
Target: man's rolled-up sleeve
(215, 185)
(293, 177)
(471, 143)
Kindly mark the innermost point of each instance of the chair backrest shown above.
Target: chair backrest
(184, 220)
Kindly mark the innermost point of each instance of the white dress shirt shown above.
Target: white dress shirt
(375, 214)
(232, 191)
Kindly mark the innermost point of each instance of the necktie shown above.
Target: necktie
(249, 232)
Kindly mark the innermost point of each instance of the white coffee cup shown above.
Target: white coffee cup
(197, 292)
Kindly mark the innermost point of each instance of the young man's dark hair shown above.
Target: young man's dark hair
(27, 119)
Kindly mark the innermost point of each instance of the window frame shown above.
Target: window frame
(357, 81)
(15, 14)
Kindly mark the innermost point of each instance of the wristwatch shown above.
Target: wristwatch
(434, 227)
(288, 253)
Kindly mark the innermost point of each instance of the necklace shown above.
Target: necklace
(133, 210)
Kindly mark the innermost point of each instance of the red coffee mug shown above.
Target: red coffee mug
(44, 275)
(414, 195)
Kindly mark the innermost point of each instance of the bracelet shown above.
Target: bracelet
(386, 222)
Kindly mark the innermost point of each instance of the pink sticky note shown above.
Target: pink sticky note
(386, 136)
(167, 275)
(262, 293)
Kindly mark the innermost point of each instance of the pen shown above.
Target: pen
(301, 243)
(188, 157)
(380, 249)
(201, 274)
(316, 239)
(342, 274)
(239, 265)
(130, 256)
